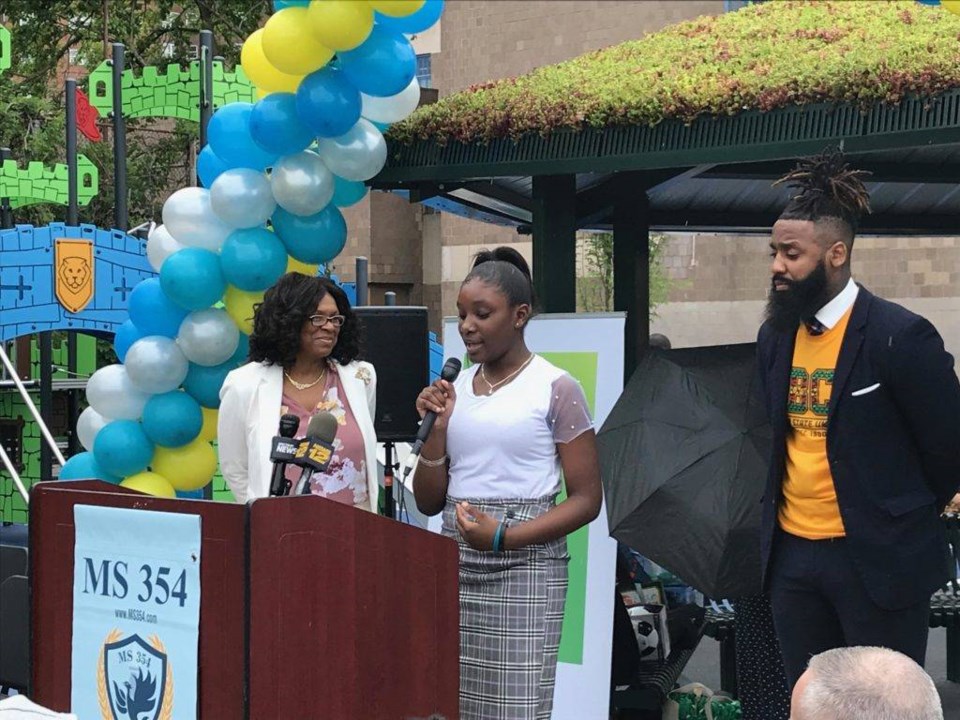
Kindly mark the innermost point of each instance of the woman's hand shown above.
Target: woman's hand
(476, 527)
(440, 397)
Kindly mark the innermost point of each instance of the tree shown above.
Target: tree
(595, 281)
(155, 32)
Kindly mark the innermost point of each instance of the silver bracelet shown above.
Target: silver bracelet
(433, 463)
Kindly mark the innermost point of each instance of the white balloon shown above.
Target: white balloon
(190, 219)
(393, 108)
(359, 154)
(156, 364)
(301, 183)
(161, 245)
(111, 392)
(242, 198)
(208, 337)
(88, 425)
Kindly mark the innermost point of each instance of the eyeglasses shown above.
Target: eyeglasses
(320, 320)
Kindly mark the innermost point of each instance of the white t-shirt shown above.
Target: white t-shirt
(504, 445)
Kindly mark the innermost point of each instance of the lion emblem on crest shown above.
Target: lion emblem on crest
(74, 272)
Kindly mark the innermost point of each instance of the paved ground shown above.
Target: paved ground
(704, 667)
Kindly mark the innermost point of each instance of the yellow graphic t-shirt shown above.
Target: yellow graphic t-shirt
(809, 507)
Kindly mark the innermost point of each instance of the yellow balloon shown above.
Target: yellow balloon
(341, 24)
(397, 8)
(150, 483)
(239, 306)
(294, 265)
(188, 467)
(289, 43)
(209, 430)
(952, 6)
(260, 72)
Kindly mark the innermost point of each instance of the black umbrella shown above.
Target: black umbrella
(684, 457)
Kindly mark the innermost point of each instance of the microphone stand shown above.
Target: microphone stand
(388, 480)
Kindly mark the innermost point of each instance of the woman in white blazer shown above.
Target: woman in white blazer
(303, 360)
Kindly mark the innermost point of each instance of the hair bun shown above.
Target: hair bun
(506, 254)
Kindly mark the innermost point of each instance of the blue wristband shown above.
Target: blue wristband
(498, 539)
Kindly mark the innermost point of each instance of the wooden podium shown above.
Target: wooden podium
(309, 608)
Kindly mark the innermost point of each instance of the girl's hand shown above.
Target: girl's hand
(476, 527)
(440, 397)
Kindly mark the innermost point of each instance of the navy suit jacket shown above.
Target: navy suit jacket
(893, 447)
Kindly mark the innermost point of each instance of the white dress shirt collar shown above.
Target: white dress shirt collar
(831, 313)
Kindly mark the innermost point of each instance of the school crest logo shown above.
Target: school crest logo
(134, 679)
(74, 273)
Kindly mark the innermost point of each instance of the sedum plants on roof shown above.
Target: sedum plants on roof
(765, 56)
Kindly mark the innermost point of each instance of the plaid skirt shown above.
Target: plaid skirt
(511, 613)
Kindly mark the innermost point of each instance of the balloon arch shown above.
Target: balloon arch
(331, 76)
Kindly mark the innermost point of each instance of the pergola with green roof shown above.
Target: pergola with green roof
(686, 128)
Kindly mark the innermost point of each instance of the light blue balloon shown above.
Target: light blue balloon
(229, 135)
(279, 5)
(423, 19)
(84, 466)
(172, 419)
(192, 279)
(383, 65)
(253, 259)
(276, 127)
(203, 383)
(314, 238)
(127, 335)
(328, 103)
(209, 166)
(122, 448)
(243, 350)
(347, 192)
(152, 311)
(381, 126)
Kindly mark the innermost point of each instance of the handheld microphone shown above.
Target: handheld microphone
(316, 449)
(449, 372)
(282, 452)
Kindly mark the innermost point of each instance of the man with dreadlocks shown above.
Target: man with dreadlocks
(865, 410)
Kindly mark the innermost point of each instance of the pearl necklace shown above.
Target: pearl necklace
(494, 386)
(304, 386)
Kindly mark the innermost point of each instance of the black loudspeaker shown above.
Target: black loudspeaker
(395, 342)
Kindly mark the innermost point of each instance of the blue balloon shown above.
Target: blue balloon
(347, 192)
(210, 166)
(190, 494)
(172, 419)
(383, 66)
(122, 448)
(328, 103)
(84, 466)
(316, 238)
(243, 350)
(192, 278)
(203, 383)
(229, 136)
(152, 311)
(279, 5)
(423, 19)
(253, 259)
(276, 127)
(127, 335)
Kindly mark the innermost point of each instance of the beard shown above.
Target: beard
(786, 309)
